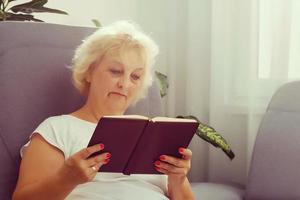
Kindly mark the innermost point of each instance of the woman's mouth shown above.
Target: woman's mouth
(119, 94)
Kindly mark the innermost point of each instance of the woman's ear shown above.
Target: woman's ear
(88, 77)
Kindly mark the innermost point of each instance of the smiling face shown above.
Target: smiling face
(115, 82)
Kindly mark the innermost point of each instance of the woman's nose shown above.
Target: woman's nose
(123, 82)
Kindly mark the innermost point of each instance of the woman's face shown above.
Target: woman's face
(114, 84)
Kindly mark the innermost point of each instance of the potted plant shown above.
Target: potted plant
(23, 12)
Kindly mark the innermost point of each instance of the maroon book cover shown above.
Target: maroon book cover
(136, 143)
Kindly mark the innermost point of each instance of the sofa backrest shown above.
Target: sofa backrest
(275, 166)
(35, 84)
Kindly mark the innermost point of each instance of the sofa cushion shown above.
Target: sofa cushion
(217, 191)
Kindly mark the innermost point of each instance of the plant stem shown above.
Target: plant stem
(3, 5)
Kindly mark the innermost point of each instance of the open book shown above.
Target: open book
(136, 142)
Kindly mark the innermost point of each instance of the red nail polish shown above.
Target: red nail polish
(157, 163)
(157, 168)
(106, 161)
(181, 150)
(162, 157)
(101, 146)
(108, 155)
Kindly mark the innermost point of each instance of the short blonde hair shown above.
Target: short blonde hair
(114, 40)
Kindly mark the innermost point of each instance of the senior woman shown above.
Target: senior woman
(112, 68)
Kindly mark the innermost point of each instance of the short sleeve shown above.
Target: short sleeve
(48, 130)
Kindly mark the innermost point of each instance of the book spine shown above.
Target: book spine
(126, 169)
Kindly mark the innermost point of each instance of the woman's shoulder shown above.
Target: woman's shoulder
(56, 119)
(67, 119)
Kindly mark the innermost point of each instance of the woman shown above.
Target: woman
(112, 68)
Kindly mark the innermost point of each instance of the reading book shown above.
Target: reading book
(136, 142)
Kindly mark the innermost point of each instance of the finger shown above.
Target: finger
(170, 168)
(86, 152)
(167, 172)
(186, 153)
(92, 171)
(98, 159)
(96, 168)
(162, 170)
(173, 160)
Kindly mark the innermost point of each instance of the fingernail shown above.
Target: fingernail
(157, 163)
(162, 157)
(106, 161)
(157, 168)
(181, 150)
(108, 155)
(101, 146)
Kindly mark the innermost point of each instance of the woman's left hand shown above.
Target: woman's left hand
(175, 168)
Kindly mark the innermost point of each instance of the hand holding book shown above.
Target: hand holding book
(175, 168)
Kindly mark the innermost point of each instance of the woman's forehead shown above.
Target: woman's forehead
(128, 58)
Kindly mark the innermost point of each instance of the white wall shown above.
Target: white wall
(82, 12)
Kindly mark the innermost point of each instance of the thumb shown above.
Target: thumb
(86, 152)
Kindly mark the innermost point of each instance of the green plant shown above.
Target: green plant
(96, 23)
(23, 12)
(211, 136)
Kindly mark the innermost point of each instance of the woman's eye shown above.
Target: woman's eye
(115, 71)
(135, 77)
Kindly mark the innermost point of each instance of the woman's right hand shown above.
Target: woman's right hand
(81, 168)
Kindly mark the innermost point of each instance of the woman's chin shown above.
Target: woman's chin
(117, 108)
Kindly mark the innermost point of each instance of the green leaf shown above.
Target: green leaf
(35, 6)
(211, 136)
(21, 17)
(163, 83)
(40, 9)
(1, 5)
(34, 3)
(96, 23)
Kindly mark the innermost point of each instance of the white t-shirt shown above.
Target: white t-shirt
(71, 134)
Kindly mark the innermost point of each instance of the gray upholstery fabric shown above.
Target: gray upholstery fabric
(217, 191)
(275, 166)
(35, 83)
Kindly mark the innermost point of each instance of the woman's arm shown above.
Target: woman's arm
(180, 191)
(44, 173)
(179, 187)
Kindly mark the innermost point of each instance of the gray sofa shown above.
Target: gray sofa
(275, 166)
(35, 84)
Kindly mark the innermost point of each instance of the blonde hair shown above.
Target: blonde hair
(114, 40)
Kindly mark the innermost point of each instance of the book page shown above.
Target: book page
(170, 119)
(127, 116)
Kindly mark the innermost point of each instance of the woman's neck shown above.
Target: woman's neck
(87, 115)
(91, 114)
